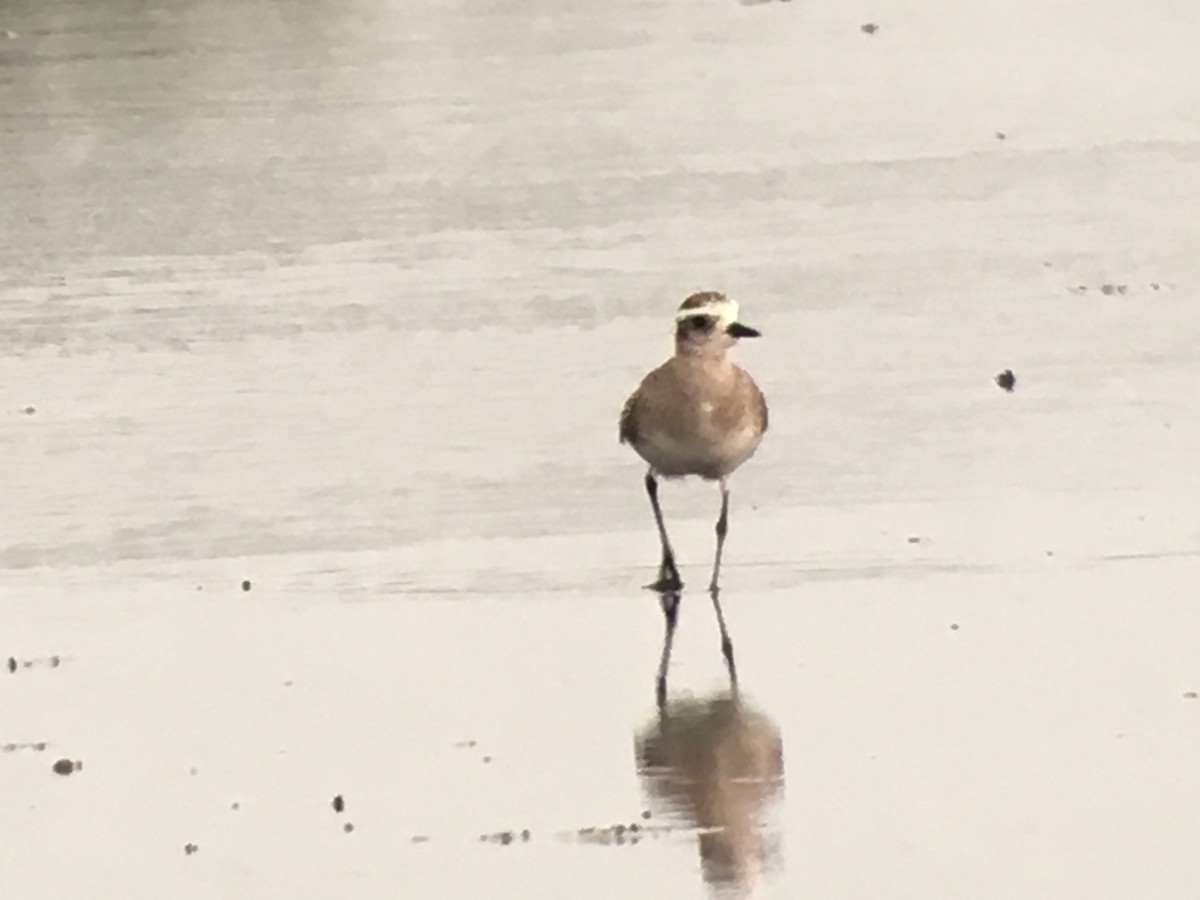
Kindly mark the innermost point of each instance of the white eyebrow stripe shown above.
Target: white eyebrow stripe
(725, 310)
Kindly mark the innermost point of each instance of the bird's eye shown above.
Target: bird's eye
(702, 323)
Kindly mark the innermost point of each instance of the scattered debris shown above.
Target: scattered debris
(50, 662)
(618, 835)
(504, 838)
(29, 410)
(189, 849)
(869, 28)
(1110, 289)
(608, 835)
(1007, 380)
(1190, 695)
(37, 746)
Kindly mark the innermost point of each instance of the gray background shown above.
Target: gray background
(344, 298)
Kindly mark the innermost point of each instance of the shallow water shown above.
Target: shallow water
(344, 300)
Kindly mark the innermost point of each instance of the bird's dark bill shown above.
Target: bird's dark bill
(738, 330)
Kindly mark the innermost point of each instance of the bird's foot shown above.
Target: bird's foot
(668, 578)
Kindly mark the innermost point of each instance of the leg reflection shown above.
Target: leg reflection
(670, 608)
(726, 643)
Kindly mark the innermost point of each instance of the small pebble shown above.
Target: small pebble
(348, 827)
(1000, 136)
(869, 28)
(914, 539)
(645, 813)
(487, 759)
(189, 849)
(1007, 380)
(506, 838)
(12, 664)
(29, 410)
(338, 804)
(235, 806)
(1190, 695)
(954, 626)
(246, 585)
(525, 834)
(63, 767)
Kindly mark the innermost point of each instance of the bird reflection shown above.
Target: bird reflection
(715, 762)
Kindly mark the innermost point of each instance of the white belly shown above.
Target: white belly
(671, 455)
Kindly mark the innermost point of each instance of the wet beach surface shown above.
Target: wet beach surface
(314, 327)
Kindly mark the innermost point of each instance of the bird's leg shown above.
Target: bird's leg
(722, 530)
(668, 574)
(714, 588)
(670, 608)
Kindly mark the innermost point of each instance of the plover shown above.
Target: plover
(697, 414)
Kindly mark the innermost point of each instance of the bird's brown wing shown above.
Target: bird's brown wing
(628, 427)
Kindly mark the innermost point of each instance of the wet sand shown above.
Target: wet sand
(345, 305)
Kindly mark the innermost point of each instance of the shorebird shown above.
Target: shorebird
(697, 414)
